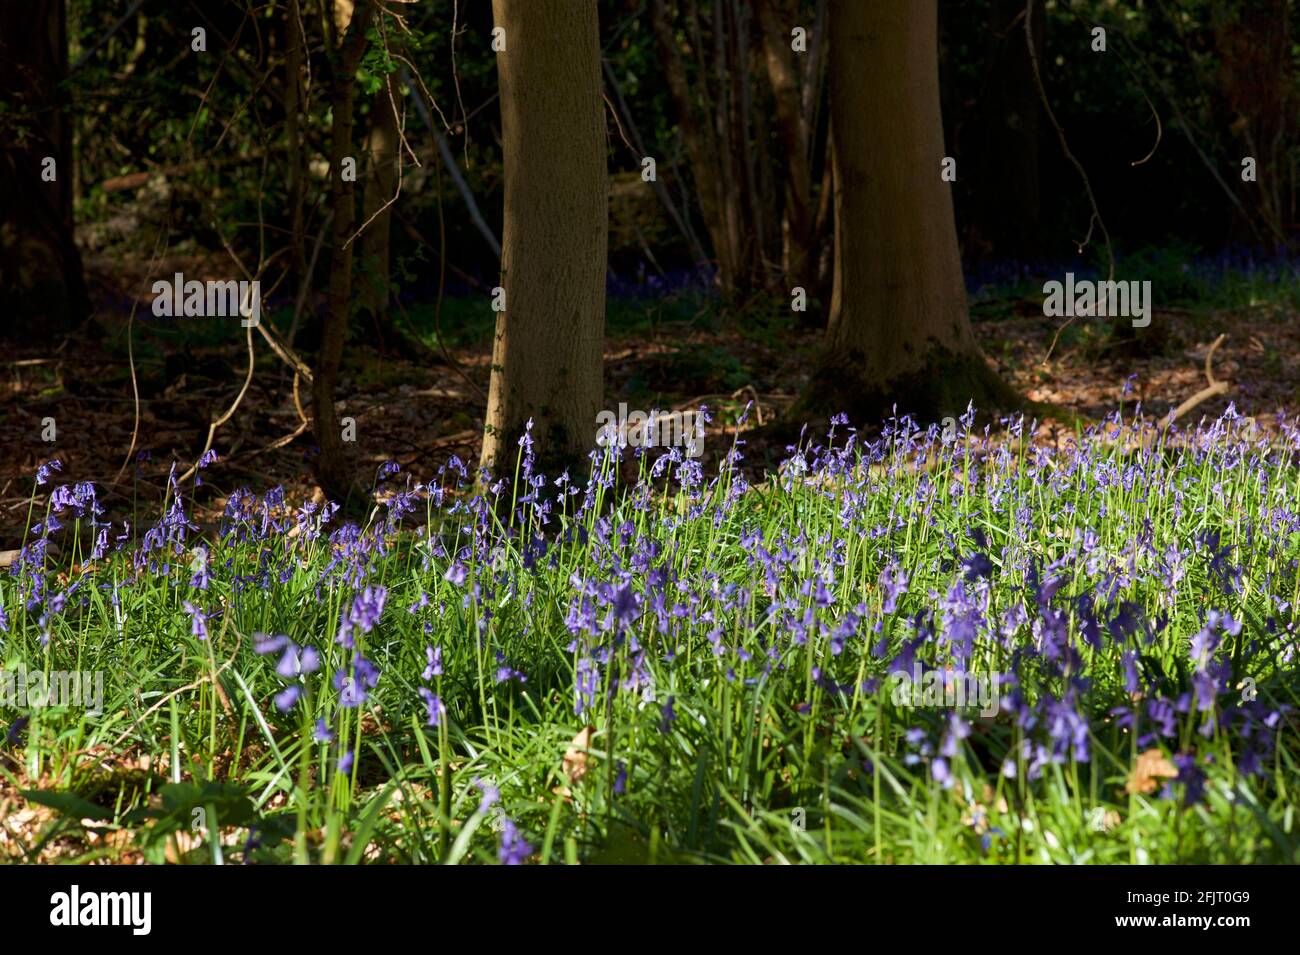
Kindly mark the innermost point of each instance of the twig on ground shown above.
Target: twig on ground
(1212, 388)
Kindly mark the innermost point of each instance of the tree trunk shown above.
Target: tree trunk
(713, 118)
(899, 331)
(380, 185)
(1257, 88)
(334, 470)
(546, 357)
(744, 144)
(42, 290)
(293, 106)
(792, 125)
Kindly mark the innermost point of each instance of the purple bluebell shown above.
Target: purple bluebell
(514, 849)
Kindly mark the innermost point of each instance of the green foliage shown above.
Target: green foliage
(788, 751)
(376, 64)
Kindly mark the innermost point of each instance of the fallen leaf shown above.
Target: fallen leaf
(1150, 768)
(575, 757)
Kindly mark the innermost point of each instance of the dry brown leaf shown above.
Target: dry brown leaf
(575, 757)
(1150, 768)
(1001, 800)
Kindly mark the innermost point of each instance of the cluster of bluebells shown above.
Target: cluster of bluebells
(32, 567)
(1060, 631)
(513, 848)
(295, 663)
(1039, 566)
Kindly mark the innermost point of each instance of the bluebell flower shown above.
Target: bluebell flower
(434, 669)
(198, 620)
(45, 470)
(489, 793)
(514, 849)
(286, 698)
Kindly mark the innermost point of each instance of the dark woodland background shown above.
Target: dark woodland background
(221, 164)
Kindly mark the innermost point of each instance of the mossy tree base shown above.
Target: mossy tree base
(941, 388)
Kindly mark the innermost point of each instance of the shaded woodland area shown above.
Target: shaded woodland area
(747, 150)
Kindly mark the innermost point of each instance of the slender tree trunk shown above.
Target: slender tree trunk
(713, 115)
(333, 467)
(293, 105)
(546, 357)
(701, 147)
(752, 237)
(776, 23)
(824, 225)
(42, 290)
(1258, 91)
(899, 331)
(380, 185)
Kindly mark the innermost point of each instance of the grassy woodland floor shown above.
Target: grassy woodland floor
(689, 670)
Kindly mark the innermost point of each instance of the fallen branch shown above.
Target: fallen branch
(286, 355)
(1212, 388)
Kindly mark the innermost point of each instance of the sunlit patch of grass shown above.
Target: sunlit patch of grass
(689, 670)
